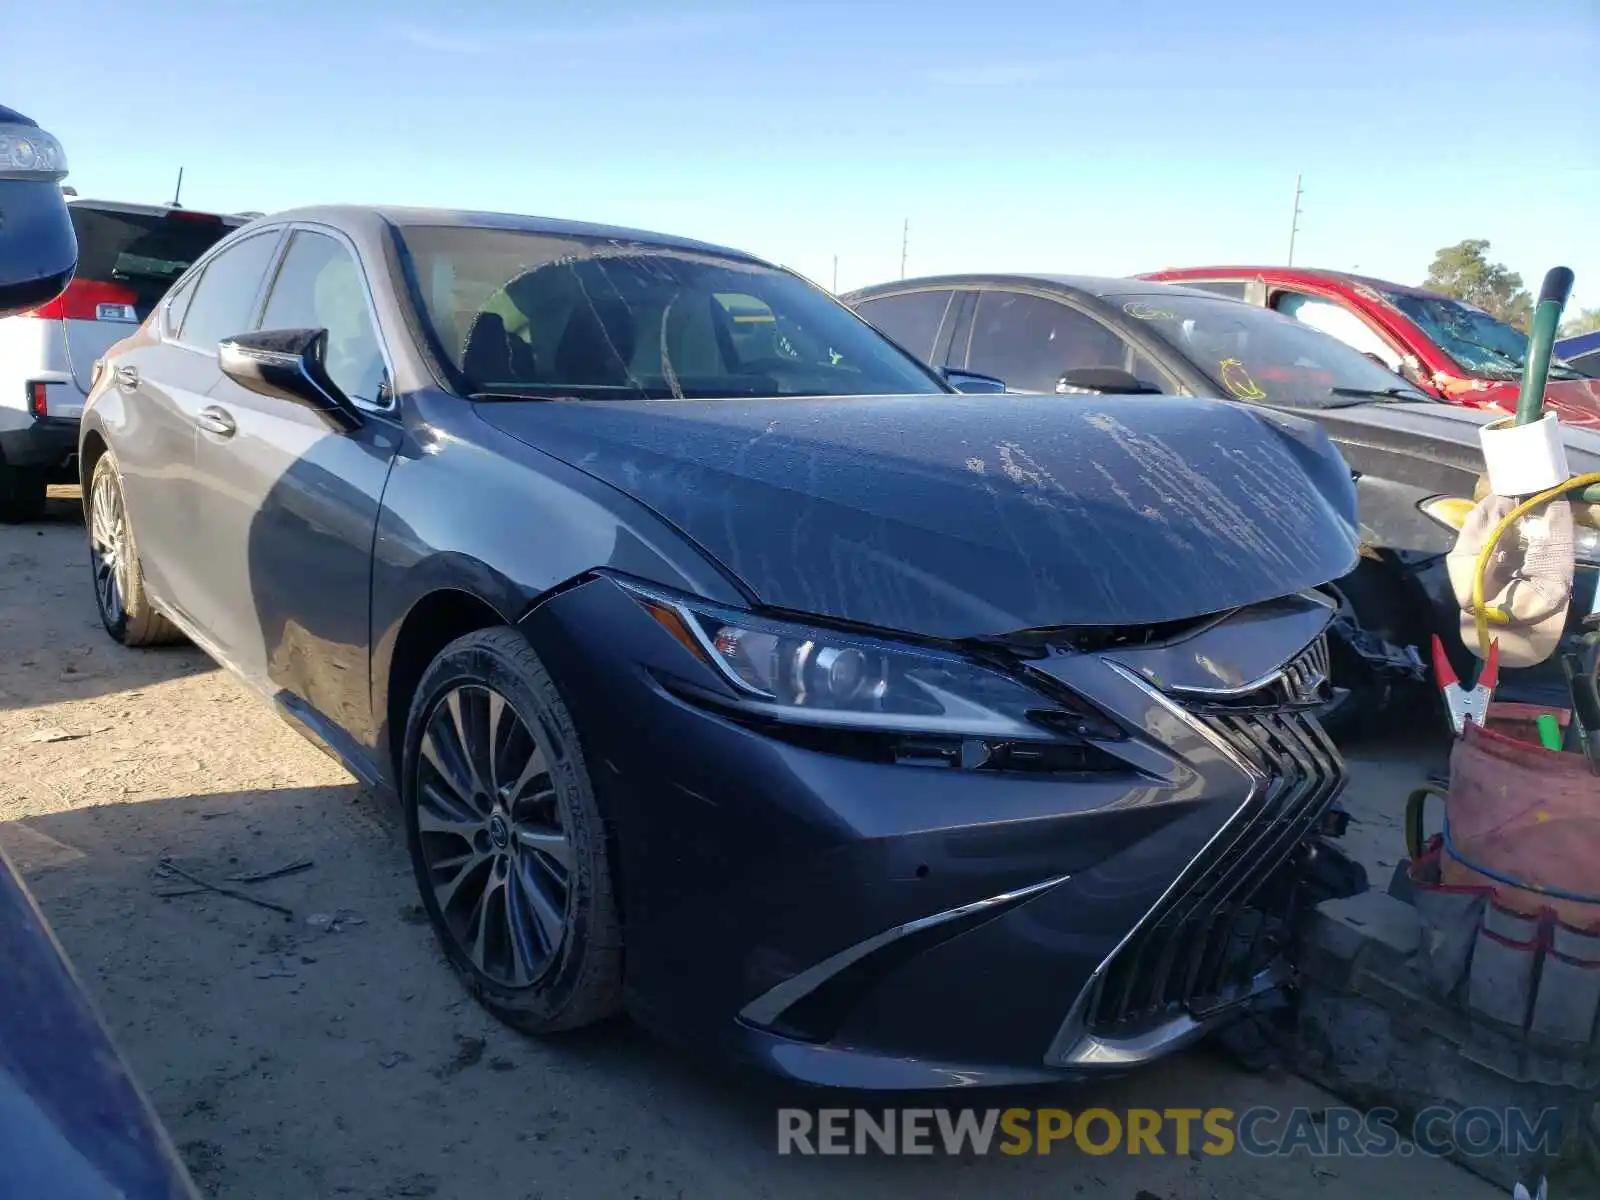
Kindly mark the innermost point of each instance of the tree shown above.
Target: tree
(1465, 272)
(1585, 320)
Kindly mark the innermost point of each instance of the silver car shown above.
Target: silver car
(129, 255)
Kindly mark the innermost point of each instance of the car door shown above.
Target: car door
(162, 386)
(288, 503)
(1031, 340)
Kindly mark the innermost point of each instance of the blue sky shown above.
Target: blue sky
(1014, 134)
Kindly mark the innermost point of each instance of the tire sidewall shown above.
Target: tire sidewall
(482, 659)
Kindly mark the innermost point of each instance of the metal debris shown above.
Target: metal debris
(166, 867)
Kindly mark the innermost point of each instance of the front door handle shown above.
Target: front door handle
(216, 420)
(127, 379)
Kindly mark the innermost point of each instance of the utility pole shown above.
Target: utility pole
(178, 191)
(835, 274)
(905, 240)
(1294, 226)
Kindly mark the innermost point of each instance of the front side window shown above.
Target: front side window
(225, 298)
(1337, 321)
(1030, 341)
(1232, 288)
(319, 286)
(1258, 355)
(601, 318)
(912, 318)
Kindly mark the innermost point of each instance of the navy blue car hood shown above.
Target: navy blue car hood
(965, 515)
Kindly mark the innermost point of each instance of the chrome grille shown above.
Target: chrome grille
(1199, 949)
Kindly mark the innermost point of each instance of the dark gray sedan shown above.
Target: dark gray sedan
(728, 665)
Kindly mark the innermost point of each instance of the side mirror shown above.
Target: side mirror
(38, 248)
(1105, 381)
(971, 381)
(287, 364)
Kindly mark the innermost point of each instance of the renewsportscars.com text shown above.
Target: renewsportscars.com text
(1260, 1132)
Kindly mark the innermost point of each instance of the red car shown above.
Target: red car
(1444, 346)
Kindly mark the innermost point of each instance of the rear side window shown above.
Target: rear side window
(224, 300)
(319, 286)
(141, 252)
(912, 319)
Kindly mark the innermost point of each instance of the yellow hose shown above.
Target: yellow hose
(1481, 614)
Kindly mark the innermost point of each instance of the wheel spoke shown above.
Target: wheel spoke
(449, 761)
(522, 931)
(491, 904)
(549, 915)
(550, 844)
(535, 769)
(442, 810)
(471, 865)
(471, 748)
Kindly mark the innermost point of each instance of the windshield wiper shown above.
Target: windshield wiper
(1398, 392)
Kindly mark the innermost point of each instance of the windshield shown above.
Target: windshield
(1256, 354)
(1480, 344)
(602, 318)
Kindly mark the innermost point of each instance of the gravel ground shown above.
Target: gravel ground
(331, 1053)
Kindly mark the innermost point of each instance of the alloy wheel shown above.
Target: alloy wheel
(108, 546)
(489, 823)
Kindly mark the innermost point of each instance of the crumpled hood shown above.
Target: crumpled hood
(964, 515)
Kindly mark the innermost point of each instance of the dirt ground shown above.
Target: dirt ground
(331, 1053)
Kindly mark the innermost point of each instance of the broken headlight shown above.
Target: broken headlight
(1452, 511)
(811, 676)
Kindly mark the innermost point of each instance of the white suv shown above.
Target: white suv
(128, 255)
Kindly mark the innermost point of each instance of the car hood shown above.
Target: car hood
(965, 515)
(1577, 401)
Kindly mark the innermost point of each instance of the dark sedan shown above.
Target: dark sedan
(1415, 461)
(728, 666)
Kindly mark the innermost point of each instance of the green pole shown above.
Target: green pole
(1541, 338)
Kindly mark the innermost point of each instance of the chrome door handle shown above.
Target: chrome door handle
(127, 378)
(216, 420)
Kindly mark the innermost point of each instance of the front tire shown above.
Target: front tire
(125, 608)
(507, 844)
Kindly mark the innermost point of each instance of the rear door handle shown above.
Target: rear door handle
(216, 420)
(127, 378)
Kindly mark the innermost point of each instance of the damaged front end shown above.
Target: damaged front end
(1246, 687)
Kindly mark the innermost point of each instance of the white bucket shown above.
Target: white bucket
(1524, 459)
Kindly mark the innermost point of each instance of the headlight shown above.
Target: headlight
(799, 674)
(29, 153)
(1451, 512)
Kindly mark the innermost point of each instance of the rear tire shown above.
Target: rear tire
(507, 843)
(125, 608)
(22, 494)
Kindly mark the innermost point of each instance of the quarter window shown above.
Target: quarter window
(319, 286)
(225, 298)
(178, 305)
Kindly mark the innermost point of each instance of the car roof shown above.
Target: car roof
(1100, 287)
(1305, 274)
(398, 215)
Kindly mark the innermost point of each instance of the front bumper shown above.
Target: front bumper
(866, 924)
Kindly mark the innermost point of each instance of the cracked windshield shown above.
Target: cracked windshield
(799, 600)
